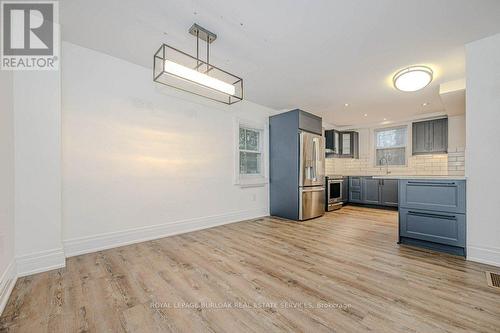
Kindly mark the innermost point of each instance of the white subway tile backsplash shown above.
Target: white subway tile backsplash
(452, 163)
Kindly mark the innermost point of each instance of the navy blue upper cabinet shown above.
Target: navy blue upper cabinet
(342, 144)
(349, 144)
(310, 123)
(332, 139)
(430, 137)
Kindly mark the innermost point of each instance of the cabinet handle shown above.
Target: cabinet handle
(431, 183)
(447, 217)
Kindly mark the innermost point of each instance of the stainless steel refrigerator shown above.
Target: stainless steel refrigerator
(311, 175)
(297, 165)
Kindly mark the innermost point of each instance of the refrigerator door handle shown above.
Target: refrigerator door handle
(315, 159)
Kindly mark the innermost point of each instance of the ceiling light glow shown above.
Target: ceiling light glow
(412, 78)
(200, 78)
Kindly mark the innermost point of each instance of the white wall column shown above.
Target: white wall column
(37, 128)
(483, 150)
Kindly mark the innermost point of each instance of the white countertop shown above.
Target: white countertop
(419, 177)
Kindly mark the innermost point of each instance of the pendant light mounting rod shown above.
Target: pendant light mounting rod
(202, 33)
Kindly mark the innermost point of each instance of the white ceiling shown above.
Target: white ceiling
(316, 55)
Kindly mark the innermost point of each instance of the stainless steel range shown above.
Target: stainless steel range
(334, 192)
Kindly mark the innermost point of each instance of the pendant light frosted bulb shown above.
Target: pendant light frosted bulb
(413, 78)
(200, 78)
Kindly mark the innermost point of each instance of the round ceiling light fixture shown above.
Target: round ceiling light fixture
(412, 78)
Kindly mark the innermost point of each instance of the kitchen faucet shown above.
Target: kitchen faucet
(386, 160)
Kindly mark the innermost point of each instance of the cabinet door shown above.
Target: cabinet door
(329, 139)
(439, 136)
(355, 190)
(420, 137)
(348, 144)
(371, 190)
(430, 136)
(389, 192)
(310, 122)
(345, 139)
(336, 140)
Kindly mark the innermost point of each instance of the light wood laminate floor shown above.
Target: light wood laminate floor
(343, 272)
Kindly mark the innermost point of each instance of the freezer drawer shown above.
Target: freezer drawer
(311, 202)
(437, 227)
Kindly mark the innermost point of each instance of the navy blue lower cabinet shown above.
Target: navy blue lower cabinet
(438, 227)
(371, 190)
(389, 192)
(355, 190)
(440, 195)
(432, 214)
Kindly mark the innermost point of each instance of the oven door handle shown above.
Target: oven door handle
(316, 189)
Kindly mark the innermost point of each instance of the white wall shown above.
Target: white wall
(141, 160)
(37, 127)
(7, 249)
(483, 150)
(456, 132)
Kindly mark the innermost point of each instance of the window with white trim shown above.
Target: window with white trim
(390, 146)
(250, 151)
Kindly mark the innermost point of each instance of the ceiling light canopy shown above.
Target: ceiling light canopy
(412, 78)
(180, 70)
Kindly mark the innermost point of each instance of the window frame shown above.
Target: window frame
(250, 180)
(405, 146)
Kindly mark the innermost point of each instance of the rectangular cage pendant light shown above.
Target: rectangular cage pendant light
(180, 70)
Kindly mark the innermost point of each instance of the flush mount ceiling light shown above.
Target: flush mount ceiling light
(412, 78)
(180, 70)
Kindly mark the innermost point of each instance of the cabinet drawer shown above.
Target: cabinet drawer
(443, 228)
(438, 195)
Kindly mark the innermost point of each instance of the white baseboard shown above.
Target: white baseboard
(40, 262)
(77, 246)
(7, 281)
(489, 256)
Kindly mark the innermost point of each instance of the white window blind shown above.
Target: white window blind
(390, 146)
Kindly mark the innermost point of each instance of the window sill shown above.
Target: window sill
(251, 181)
